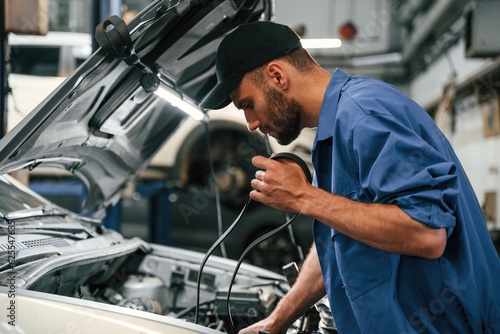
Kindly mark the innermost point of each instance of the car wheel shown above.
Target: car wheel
(230, 153)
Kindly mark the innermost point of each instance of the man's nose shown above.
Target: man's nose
(252, 121)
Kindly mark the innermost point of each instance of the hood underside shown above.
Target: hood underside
(100, 124)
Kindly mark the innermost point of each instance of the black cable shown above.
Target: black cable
(210, 251)
(307, 173)
(216, 187)
(281, 155)
(223, 236)
(291, 235)
(240, 261)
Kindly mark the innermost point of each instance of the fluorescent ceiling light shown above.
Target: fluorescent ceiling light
(381, 59)
(321, 43)
(176, 100)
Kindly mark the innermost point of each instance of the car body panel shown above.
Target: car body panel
(36, 312)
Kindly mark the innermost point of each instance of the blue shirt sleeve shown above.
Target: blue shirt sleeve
(397, 166)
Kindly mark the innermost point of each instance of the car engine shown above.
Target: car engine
(159, 279)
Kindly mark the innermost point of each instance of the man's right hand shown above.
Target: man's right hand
(307, 290)
(265, 325)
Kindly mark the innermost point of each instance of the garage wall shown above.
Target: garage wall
(322, 19)
(477, 148)
(428, 85)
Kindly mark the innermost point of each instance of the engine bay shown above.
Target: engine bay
(163, 280)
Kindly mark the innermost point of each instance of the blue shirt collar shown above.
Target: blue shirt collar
(328, 110)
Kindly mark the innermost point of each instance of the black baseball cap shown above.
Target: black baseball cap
(244, 49)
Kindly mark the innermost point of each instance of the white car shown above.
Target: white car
(39, 64)
(65, 272)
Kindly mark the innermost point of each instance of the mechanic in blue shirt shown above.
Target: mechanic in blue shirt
(401, 244)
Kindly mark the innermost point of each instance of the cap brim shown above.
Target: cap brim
(218, 98)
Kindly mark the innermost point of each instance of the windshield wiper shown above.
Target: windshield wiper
(72, 230)
(35, 212)
(77, 227)
(77, 235)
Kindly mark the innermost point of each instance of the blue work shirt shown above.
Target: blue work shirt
(375, 145)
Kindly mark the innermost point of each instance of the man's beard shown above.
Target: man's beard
(284, 114)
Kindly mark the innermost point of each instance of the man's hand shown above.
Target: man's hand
(263, 325)
(307, 290)
(278, 183)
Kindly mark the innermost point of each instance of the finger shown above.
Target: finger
(257, 184)
(256, 196)
(260, 161)
(260, 175)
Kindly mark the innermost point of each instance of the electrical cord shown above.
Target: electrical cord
(281, 155)
(210, 251)
(216, 187)
(240, 261)
(291, 235)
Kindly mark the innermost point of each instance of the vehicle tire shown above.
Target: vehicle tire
(231, 152)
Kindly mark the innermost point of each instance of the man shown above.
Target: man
(400, 242)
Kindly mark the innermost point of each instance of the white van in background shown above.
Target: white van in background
(37, 65)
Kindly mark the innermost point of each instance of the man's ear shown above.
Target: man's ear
(276, 76)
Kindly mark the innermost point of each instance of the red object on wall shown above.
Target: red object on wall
(348, 31)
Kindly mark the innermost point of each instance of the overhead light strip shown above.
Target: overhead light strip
(321, 43)
(176, 100)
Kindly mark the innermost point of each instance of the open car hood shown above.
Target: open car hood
(100, 124)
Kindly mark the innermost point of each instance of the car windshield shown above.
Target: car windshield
(16, 197)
